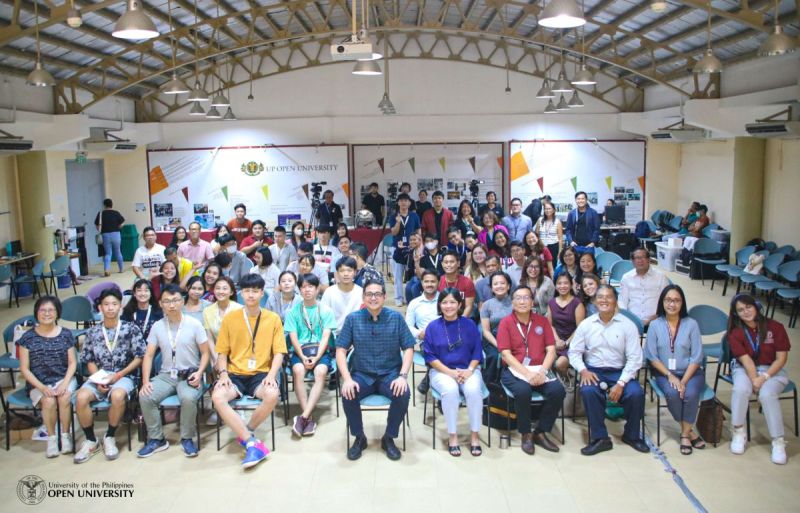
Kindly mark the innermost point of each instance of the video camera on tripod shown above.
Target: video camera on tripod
(474, 190)
(316, 190)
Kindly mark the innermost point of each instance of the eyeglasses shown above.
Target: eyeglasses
(671, 301)
(373, 295)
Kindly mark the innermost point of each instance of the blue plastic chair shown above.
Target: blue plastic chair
(618, 270)
(706, 395)
(674, 224)
(707, 230)
(7, 362)
(58, 268)
(78, 309)
(707, 247)
(376, 402)
(711, 320)
(7, 280)
(606, 260)
(735, 269)
(30, 279)
(770, 263)
(785, 250)
(437, 397)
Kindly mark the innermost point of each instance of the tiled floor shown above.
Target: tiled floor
(313, 474)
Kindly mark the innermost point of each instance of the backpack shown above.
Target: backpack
(642, 230)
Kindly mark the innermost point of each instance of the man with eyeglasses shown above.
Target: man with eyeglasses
(378, 336)
(148, 258)
(605, 351)
(518, 224)
(641, 287)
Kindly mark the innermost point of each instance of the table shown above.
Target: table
(617, 228)
(26, 259)
(164, 238)
(370, 237)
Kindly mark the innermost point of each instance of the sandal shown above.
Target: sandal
(475, 450)
(454, 450)
(686, 449)
(698, 442)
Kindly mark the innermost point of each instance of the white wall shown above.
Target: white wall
(705, 174)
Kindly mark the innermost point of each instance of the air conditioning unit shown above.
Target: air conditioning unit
(101, 139)
(679, 134)
(774, 129)
(10, 146)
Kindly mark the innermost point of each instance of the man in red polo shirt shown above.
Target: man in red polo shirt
(453, 278)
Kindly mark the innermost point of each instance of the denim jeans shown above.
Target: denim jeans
(112, 242)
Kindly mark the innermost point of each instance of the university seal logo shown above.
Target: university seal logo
(31, 490)
(252, 168)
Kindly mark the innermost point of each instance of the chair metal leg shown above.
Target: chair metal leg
(658, 422)
(794, 400)
(272, 423)
(404, 433)
(748, 421)
(433, 431)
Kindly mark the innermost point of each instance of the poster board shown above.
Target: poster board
(610, 169)
(448, 167)
(274, 182)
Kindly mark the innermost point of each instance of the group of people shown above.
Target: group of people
(479, 318)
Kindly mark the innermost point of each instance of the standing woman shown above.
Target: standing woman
(542, 286)
(550, 230)
(493, 311)
(167, 273)
(565, 312)
(143, 309)
(210, 276)
(491, 227)
(760, 347)
(178, 236)
(298, 235)
(569, 262)
(266, 269)
(675, 352)
(287, 297)
(452, 349)
(47, 361)
(475, 268)
(195, 304)
(535, 247)
(109, 223)
(466, 219)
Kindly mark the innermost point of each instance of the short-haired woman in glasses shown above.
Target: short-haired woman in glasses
(453, 350)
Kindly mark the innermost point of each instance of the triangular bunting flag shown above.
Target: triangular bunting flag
(346, 187)
(225, 192)
(443, 163)
(500, 163)
(381, 163)
(413, 163)
(641, 182)
(157, 180)
(574, 181)
(265, 190)
(305, 190)
(472, 163)
(519, 167)
(540, 181)
(608, 183)
(185, 192)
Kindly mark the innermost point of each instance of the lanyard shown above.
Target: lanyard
(146, 317)
(673, 336)
(525, 335)
(516, 225)
(280, 252)
(756, 346)
(404, 221)
(308, 322)
(109, 345)
(434, 262)
(173, 342)
(461, 250)
(253, 332)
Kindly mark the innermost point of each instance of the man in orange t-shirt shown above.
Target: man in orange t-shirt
(240, 227)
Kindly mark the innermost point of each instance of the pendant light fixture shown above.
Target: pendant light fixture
(74, 19)
(777, 43)
(134, 24)
(562, 104)
(197, 110)
(229, 115)
(385, 105)
(562, 85)
(175, 85)
(709, 63)
(364, 34)
(219, 100)
(508, 83)
(575, 102)
(39, 77)
(197, 94)
(213, 113)
(545, 92)
(551, 108)
(583, 76)
(250, 96)
(367, 69)
(562, 14)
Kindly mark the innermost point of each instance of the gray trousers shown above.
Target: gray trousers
(163, 387)
(767, 396)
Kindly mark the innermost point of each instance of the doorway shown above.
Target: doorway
(86, 190)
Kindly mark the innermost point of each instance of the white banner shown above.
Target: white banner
(275, 183)
(449, 168)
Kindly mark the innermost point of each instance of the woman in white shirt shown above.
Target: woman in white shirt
(266, 268)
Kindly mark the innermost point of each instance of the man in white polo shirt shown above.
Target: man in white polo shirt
(641, 287)
(148, 258)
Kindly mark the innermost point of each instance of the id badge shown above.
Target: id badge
(251, 364)
(672, 364)
(173, 373)
(526, 361)
(405, 240)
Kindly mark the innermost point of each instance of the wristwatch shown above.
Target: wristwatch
(404, 375)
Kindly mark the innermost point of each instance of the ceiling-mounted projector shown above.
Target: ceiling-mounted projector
(352, 49)
(688, 134)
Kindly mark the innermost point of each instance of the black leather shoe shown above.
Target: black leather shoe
(599, 445)
(545, 443)
(423, 386)
(359, 444)
(639, 444)
(391, 450)
(527, 444)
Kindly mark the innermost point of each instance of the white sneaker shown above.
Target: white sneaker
(66, 443)
(212, 419)
(40, 434)
(779, 451)
(739, 441)
(87, 450)
(52, 446)
(110, 448)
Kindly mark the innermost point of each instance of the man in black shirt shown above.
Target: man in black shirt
(423, 204)
(375, 203)
(491, 204)
(432, 258)
(329, 213)
(534, 210)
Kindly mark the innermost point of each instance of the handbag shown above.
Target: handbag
(310, 350)
(710, 420)
(98, 237)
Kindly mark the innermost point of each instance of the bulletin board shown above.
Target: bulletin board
(446, 167)
(604, 169)
(274, 182)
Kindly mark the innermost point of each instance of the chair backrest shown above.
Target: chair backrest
(8, 332)
(743, 255)
(707, 230)
(59, 265)
(638, 322)
(785, 250)
(655, 217)
(5, 273)
(725, 355)
(653, 227)
(598, 252)
(790, 271)
(388, 240)
(619, 269)
(770, 246)
(77, 309)
(772, 262)
(606, 260)
(709, 318)
(38, 269)
(675, 223)
(706, 247)
(95, 291)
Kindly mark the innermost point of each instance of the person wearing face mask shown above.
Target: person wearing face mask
(432, 258)
(298, 234)
(329, 214)
(256, 240)
(282, 252)
(237, 265)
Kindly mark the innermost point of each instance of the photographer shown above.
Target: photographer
(375, 203)
(185, 354)
(329, 214)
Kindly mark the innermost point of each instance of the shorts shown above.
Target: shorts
(248, 385)
(36, 395)
(325, 360)
(124, 383)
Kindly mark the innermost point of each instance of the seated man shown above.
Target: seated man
(641, 287)
(457, 244)
(237, 264)
(345, 296)
(366, 271)
(605, 351)
(377, 335)
(309, 326)
(250, 351)
(421, 311)
(115, 347)
(282, 252)
(518, 256)
(184, 357)
(195, 249)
